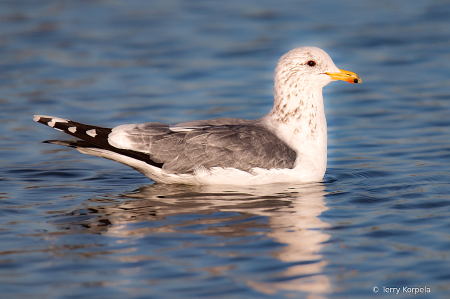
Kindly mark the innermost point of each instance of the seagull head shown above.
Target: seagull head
(311, 66)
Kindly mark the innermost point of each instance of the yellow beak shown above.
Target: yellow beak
(345, 76)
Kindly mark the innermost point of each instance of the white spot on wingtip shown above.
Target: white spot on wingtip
(56, 120)
(92, 133)
(37, 118)
(72, 129)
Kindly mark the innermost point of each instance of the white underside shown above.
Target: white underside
(213, 176)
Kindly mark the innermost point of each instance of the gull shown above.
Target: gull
(289, 144)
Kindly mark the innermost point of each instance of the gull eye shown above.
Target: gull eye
(311, 63)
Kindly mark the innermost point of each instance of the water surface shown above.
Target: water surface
(74, 226)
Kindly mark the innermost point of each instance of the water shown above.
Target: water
(74, 226)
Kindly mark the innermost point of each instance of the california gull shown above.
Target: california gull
(287, 145)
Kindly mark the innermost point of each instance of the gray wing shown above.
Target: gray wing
(242, 145)
(216, 122)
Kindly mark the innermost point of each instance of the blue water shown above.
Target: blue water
(74, 226)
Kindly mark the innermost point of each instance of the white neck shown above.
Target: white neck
(298, 117)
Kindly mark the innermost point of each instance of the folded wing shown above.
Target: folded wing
(180, 149)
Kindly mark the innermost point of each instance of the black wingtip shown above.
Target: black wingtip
(68, 143)
(91, 137)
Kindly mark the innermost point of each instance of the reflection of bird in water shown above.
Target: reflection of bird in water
(286, 214)
(287, 145)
